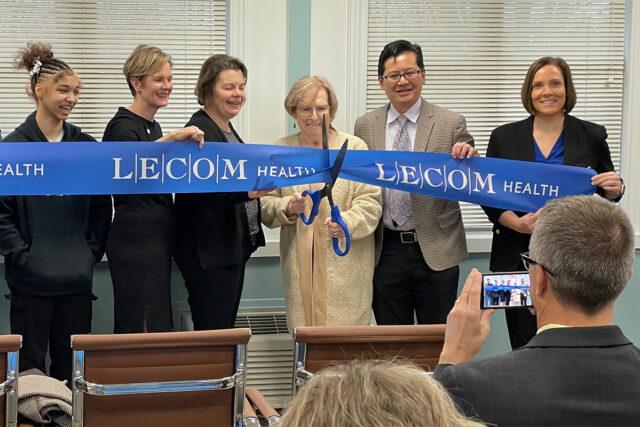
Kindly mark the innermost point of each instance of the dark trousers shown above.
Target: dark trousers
(49, 322)
(214, 293)
(522, 326)
(403, 283)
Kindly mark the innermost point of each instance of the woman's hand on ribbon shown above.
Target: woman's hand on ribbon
(296, 205)
(191, 133)
(610, 182)
(462, 150)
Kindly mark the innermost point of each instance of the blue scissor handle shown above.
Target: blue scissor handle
(316, 196)
(337, 218)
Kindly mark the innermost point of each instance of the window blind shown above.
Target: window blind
(95, 38)
(477, 52)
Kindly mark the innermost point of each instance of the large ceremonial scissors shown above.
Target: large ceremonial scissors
(317, 195)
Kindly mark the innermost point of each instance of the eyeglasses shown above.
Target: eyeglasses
(307, 111)
(528, 262)
(395, 77)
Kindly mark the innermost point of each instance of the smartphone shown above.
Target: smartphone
(505, 290)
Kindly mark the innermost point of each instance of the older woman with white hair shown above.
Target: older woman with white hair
(322, 288)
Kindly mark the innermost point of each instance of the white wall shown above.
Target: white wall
(258, 35)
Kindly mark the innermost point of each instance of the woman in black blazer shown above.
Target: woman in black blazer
(217, 232)
(548, 135)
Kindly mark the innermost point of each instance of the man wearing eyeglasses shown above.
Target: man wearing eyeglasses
(579, 369)
(420, 240)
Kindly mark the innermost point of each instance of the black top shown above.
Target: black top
(215, 224)
(51, 243)
(585, 144)
(128, 126)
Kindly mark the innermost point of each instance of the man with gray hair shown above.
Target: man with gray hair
(579, 369)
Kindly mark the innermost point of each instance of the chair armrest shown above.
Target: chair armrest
(264, 407)
(248, 409)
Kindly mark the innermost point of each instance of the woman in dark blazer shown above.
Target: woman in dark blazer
(548, 135)
(217, 232)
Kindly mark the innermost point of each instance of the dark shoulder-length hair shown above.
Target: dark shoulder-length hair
(569, 88)
(209, 72)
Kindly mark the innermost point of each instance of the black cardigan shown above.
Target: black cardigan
(585, 144)
(213, 224)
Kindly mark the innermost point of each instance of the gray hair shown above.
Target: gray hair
(587, 243)
(374, 394)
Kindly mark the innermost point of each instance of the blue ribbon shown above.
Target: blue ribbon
(35, 168)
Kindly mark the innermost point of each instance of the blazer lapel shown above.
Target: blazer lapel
(380, 127)
(424, 126)
(528, 152)
(571, 151)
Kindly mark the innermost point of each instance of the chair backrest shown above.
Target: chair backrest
(9, 348)
(178, 378)
(318, 347)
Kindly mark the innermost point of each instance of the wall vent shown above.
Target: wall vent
(263, 323)
(269, 353)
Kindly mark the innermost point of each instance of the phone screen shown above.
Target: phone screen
(505, 290)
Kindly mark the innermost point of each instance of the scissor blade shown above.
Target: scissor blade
(325, 134)
(337, 163)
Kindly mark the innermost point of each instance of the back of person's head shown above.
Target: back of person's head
(373, 394)
(43, 67)
(143, 61)
(586, 244)
(395, 49)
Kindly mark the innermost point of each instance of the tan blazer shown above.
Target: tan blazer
(438, 222)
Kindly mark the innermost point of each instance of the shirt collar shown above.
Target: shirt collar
(412, 113)
(551, 326)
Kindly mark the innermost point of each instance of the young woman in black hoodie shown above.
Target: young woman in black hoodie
(50, 244)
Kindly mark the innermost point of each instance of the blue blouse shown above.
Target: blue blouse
(556, 156)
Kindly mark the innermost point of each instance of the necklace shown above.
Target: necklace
(221, 124)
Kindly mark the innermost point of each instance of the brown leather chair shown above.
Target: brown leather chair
(318, 347)
(160, 379)
(9, 348)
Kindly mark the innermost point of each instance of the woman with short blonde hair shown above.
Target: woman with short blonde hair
(141, 240)
(374, 394)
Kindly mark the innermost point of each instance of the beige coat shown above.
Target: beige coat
(344, 292)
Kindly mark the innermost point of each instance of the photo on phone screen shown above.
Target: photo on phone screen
(505, 290)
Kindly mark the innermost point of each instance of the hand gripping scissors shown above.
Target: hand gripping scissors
(317, 195)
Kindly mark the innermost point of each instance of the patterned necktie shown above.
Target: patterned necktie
(400, 201)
